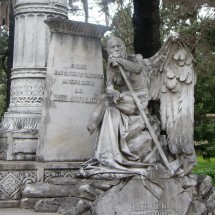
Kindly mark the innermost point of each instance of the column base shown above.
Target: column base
(19, 136)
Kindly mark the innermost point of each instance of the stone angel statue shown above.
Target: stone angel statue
(130, 139)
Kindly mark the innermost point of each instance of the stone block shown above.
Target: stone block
(74, 206)
(49, 205)
(134, 198)
(62, 181)
(74, 82)
(210, 201)
(197, 208)
(25, 146)
(205, 186)
(44, 190)
(28, 203)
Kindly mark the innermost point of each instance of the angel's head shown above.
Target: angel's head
(116, 47)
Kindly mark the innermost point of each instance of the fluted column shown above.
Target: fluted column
(20, 124)
(31, 46)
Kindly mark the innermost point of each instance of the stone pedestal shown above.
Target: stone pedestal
(74, 83)
(128, 196)
(31, 45)
(138, 197)
(14, 174)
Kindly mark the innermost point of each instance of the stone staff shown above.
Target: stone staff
(145, 119)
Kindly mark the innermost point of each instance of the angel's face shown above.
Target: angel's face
(116, 48)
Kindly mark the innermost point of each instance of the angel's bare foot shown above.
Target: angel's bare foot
(91, 128)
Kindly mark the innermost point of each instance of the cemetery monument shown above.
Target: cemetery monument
(73, 144)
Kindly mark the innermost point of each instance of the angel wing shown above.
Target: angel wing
(172, 80)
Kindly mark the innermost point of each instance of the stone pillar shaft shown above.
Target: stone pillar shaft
(31, 45)
(30, 52)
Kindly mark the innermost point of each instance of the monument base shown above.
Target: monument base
(14, 174)
(52, 187)
(129, 196)
(19, 136)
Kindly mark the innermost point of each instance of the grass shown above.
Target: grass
(205, 167)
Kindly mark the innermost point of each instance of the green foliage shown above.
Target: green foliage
(205, 135)
(205, 167)
(210, 173)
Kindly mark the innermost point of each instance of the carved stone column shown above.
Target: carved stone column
(32, 37)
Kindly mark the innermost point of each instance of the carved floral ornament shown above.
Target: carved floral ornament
(10, 182)
(27, 91)
(20, 124)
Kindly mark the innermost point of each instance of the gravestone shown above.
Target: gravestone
(134, 198)
(74, 83)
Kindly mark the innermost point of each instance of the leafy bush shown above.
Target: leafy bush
(205, 167)
(210, 173)
(205, 132)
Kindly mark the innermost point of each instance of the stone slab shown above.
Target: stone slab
(25, 146)
(45, 190)
(13, 174)
(17, 211)
(74, 83)
(9, 204)
(135, 198)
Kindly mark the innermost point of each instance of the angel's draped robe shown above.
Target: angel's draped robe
(117, 132)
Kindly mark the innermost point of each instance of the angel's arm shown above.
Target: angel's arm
(132, 66)
(110, 83)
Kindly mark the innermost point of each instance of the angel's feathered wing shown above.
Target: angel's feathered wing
(172, 80)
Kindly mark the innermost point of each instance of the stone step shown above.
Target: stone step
(18, 211)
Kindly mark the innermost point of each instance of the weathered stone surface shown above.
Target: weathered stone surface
(28, 203)
(74, 83)
(18, 211)
(62, 181)
(9, 204)
(74, 206)
(49, 205)
(210, 201)
(135, 198)
(87, 213)
(14, 174)
(187, 182)
(104, 184)
(43, 190)
(205, 186)
(197, 208)
(85, 191)
(31, 44)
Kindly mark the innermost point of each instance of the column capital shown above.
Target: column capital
(76, 28)
(55, 7)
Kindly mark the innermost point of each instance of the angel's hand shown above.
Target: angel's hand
(116, 96)
(113, 62)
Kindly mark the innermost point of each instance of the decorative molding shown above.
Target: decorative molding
(76, 28)
(41, 7)
(10, 182)
(20, 124)
(50, 173)
(28, 73)
(26, 91)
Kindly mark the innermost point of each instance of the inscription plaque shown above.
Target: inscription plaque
(74, 83)
(134, 198)
(150, 208)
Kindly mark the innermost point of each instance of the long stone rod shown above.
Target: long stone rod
(145, 119)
